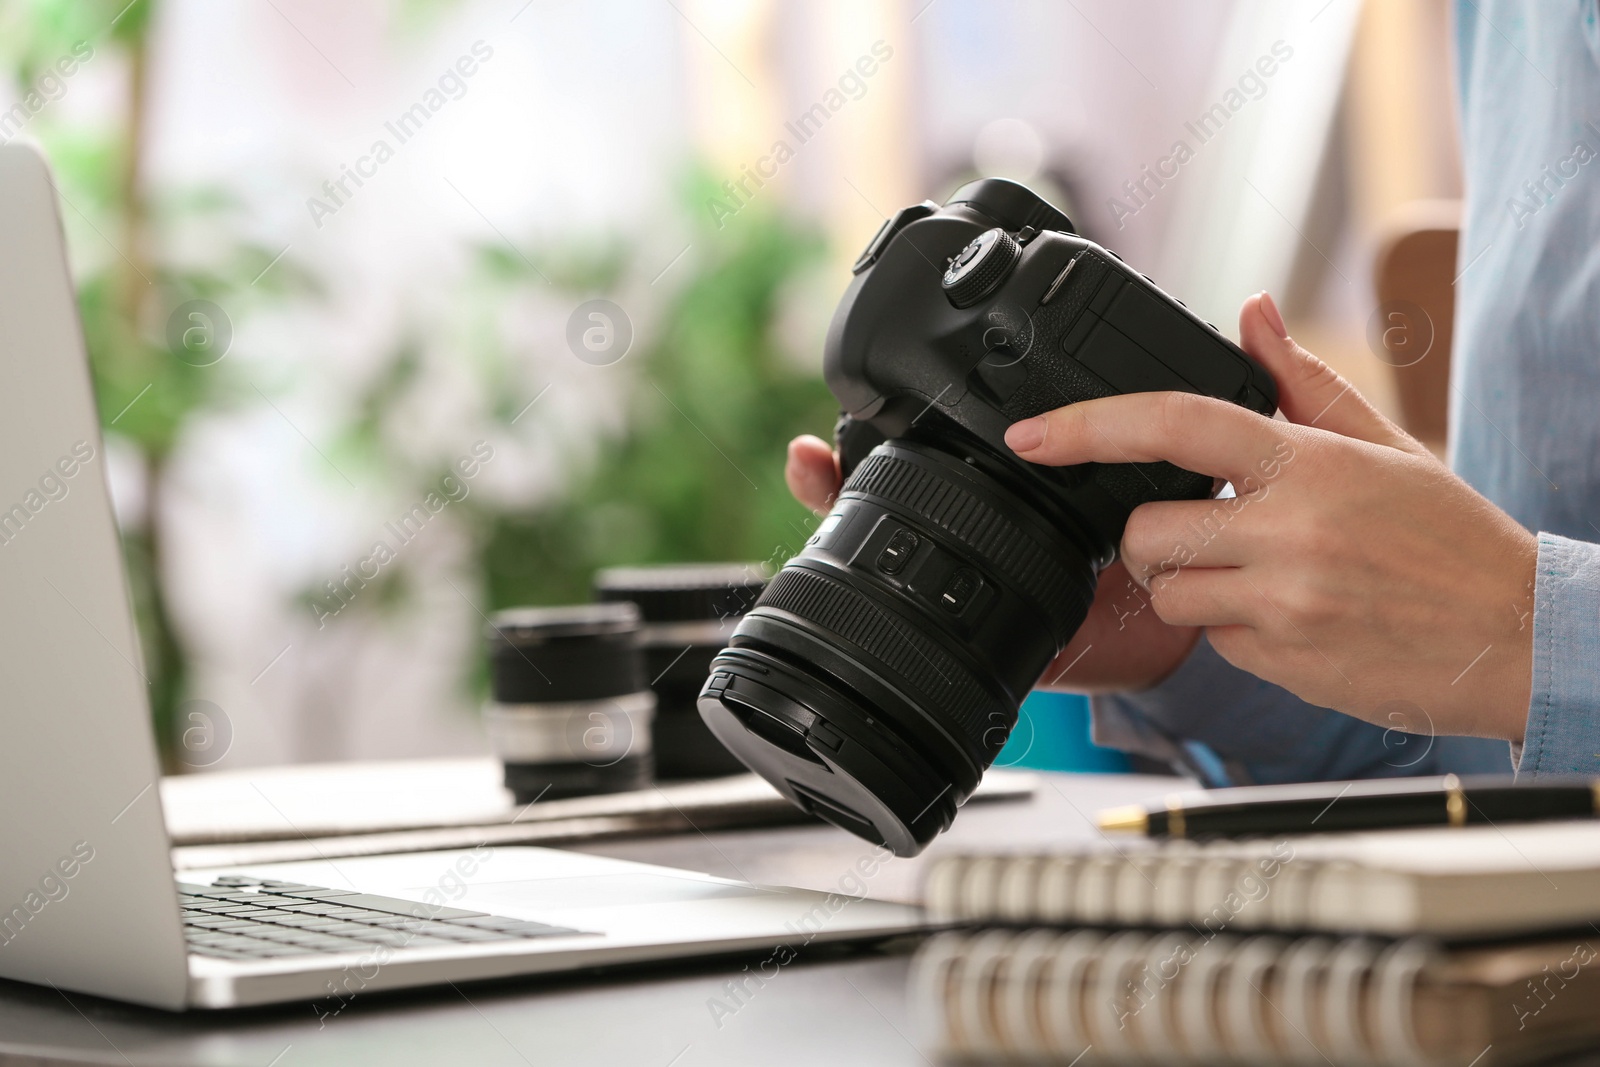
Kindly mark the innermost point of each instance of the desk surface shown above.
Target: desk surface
(837, 1007)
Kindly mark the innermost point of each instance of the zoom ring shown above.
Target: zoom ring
(990, 536)
(936, 679)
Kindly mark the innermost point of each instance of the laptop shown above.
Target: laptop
(89, 900)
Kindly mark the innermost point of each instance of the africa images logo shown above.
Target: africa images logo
(851, 85)
(1251, 85)
(1541, 190)
(450, 85)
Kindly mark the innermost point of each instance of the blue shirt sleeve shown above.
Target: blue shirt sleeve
(1524, 373)
(1524, 380)
(1262, 733)
(1563, 733)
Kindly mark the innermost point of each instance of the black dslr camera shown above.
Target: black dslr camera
(881, 671)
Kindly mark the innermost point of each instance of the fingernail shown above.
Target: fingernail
(1026, 435)
(1269, 308)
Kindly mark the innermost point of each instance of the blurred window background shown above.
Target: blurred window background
(333, 260)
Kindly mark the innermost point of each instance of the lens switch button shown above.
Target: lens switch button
(895, 554)
(959, 593)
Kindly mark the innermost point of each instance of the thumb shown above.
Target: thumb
(1310, 392)
(812, 472)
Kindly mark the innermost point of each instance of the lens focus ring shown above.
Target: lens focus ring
(999, 543)
(937, 679)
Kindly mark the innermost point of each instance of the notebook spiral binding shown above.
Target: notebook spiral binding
(1233, 885)
(1165, 997)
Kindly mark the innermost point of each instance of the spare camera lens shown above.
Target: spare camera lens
(689, 610)
(570, 713)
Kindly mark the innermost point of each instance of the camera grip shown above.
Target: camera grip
(854, 440)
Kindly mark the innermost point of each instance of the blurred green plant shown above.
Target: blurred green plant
(131, 279)
(711, 395)
(713, 398)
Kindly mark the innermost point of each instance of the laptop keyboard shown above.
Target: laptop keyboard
(244, 918)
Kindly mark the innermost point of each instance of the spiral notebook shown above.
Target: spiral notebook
(1180, 998)
(1372, 948)
(1449, 883)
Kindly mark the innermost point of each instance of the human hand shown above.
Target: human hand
(1122, 644)
(812, 472)
(1353, 569)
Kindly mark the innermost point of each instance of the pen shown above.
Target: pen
(1325, 807)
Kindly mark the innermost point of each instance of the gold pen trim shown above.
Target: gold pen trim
(1132, 818)
(1176, 826)
(1455, 801)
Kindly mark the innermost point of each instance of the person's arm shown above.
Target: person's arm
(1352, 568)
(1368, 553)
(1563, 728)
(1261, 733)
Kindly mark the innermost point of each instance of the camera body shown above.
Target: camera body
(1056, 320)
(882, 669)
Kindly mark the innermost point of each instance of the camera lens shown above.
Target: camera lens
(689, 610)
(570, 713)
(881, 671)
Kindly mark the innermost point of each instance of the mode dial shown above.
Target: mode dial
(978, 269)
